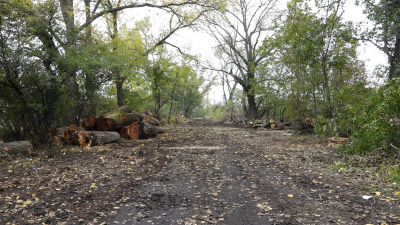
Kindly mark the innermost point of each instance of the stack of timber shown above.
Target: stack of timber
(127, 122)
(73, 135)
(280, 124)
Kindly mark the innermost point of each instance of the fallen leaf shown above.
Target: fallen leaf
(290, 195)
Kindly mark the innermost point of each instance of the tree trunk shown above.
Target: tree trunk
(252, 112)
(394, 70)
(17, 147)
(120, 94)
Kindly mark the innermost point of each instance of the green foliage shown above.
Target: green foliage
(338, 166)
(376, 125)
(394, 174)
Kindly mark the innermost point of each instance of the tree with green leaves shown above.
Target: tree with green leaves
(385, 32)
(63, 56)
(317, 47)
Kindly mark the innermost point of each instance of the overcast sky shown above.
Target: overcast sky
(202, 44)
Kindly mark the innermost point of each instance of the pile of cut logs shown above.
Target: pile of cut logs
(282, 124)
(120, 123)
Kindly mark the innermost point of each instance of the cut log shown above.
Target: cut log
(307, 124)
(287, 123)
(272, 125)
(17, 147)
(266, 124)
(105, 124)
(82, 139)
(279, 126)
(58, 131)
(142, 130)
(258, 122)
(271, 121)
(123, 132)
(55, 141)
(125, 109)
(103, 137)
(123, 117)
(133, 130)
(160, 130)
(147, 113)
(68, 134)
(156, 122)
(90, 122)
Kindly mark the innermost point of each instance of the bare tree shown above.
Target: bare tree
(239, 31)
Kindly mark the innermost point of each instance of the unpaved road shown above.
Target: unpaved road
(197, 173)
(225, 175)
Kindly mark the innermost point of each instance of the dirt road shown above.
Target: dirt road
(226, 175)
(197, 173)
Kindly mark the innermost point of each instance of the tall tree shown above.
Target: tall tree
(317, 45)
(385, 32)
(180, 17)
(239, 31)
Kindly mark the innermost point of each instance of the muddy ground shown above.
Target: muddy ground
(198, 173)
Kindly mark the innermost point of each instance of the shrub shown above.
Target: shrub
(376, 126)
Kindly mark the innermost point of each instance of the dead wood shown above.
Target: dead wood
(123, 132)
(124, 116)
(142, 130)
(68, 134)
(103, 137)
(105, 124)
(90, 122)
(82, 139)
(16, 147)
(153, 120)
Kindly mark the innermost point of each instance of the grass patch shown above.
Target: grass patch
(337, 166)
(368, 188)
(395, 178)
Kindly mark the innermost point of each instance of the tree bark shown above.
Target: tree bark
(154, 121)
(17, 147)
(120, 94)
(103, 137)
(394, 70)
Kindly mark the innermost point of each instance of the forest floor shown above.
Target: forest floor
(199, 173)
